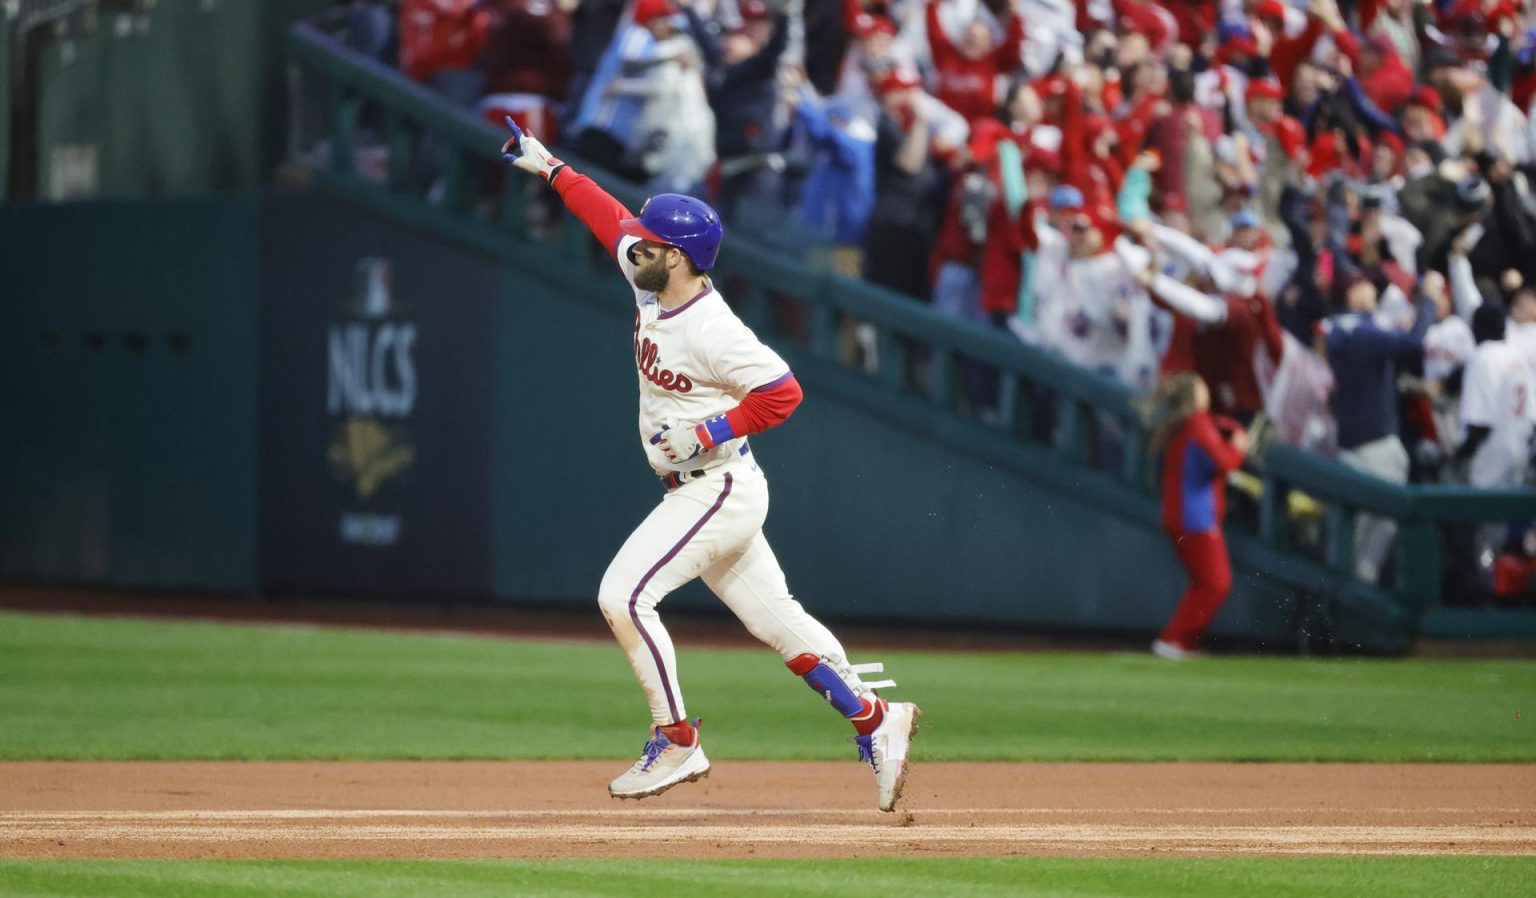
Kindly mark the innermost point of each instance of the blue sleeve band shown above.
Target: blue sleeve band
(719, 430)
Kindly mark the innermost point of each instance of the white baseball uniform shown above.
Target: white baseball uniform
(1498, 392)
(695, 362)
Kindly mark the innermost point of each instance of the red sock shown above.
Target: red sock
(867, 720)
(681, 733)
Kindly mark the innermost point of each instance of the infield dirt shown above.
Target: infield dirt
(560, 809)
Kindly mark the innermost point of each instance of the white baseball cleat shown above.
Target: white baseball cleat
(886, 750)
(1173, 651)
(662, 765)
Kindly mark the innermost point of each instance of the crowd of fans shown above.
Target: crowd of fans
(1323, 210)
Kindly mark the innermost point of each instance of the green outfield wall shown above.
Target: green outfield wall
(128, 351)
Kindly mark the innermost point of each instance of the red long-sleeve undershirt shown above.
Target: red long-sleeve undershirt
(596, 207)
(765, 407)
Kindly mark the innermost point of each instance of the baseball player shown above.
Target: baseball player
(706, 385)
(1498, 403)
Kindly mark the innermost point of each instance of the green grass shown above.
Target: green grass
(1432, 877)
(83, 688)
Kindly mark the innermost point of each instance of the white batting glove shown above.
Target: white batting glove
(525, 151)
(678, 442)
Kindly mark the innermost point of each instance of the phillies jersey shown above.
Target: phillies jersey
(1093, 311)
(1497, 392)
(693, 362)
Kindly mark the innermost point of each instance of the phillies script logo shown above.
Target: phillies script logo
(647, 357)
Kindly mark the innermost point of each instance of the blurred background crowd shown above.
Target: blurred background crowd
(1322, 208)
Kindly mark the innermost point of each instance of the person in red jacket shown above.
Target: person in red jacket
(1196, 457)
(1384, 78)
(968, 72)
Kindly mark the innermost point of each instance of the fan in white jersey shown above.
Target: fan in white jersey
(1498, 399)
(1089, 307)
(1448, 346)
(706, 384)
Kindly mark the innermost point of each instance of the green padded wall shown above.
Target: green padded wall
(128, 375)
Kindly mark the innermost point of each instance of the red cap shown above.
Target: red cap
(898, 79)
(1427, 97)
(648, 10)
(1264, 89)
(1393, 142)
(753, 9)
(865, 24)
(1270, 9)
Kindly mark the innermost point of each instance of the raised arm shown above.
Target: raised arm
(939, 44)
(760, 66)
(1009, 52)
(1365, 110)
(1185, 248)
(596, 208)
(1464, 292)
(1187, 301)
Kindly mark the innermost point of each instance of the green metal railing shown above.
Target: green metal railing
(1054, 420)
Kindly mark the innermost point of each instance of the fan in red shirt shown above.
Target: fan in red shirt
(1217, 336)
(441, 34)
(1323, 17)
(1196, 458)
(1383, 75)
(968, 72)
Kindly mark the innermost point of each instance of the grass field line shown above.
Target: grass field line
(25, 817)
(1516, 839)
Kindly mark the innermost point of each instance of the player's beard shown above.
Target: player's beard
(653, 276)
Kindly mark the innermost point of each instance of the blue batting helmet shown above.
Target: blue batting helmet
(680, 221)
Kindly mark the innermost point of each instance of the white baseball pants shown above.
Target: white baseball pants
(710, 528)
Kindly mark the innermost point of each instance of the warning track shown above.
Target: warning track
(559, 809)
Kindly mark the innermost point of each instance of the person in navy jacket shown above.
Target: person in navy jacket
(1198, 450)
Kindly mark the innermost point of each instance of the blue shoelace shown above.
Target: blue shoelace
(866, 748)
(652, 750)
